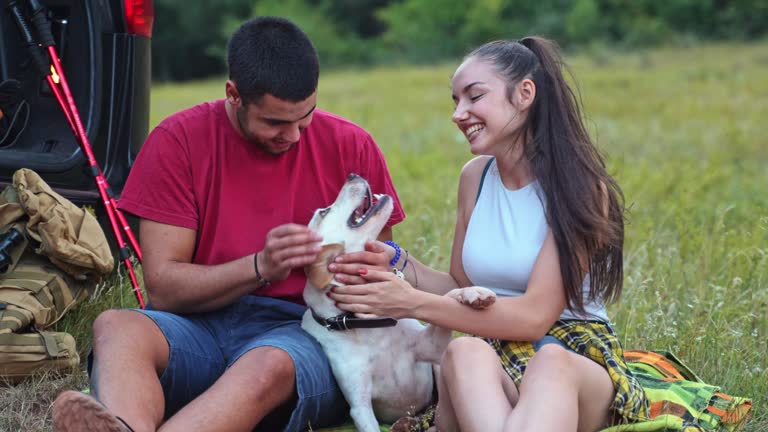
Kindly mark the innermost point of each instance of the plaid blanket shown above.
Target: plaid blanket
(679, 400)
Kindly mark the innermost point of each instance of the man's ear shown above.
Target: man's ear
(233, 96)
(525, 94)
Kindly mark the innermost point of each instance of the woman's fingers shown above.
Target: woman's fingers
(349, 280)
(356, 308)
(373, 275)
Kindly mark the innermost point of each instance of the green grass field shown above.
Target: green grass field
(683, 132)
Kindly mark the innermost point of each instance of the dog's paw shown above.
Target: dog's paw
(474, 296)
(404, 424)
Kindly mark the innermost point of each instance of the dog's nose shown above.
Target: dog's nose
(352, 176)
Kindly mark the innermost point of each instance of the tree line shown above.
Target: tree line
(189, 39)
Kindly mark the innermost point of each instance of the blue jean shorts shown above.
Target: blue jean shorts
(202, 346)
(546, 340)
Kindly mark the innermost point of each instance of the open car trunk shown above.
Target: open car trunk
(108, 71)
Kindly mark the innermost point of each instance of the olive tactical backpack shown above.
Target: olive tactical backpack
(52, 255)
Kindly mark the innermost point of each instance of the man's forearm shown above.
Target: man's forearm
(190, 288)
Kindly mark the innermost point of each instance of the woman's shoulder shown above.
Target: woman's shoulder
(469, 180)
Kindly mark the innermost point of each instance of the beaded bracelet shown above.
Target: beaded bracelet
(405, 263)
(397, 252)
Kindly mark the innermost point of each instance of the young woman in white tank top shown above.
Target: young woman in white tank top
(540, 222)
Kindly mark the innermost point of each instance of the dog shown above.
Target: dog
(383, 366)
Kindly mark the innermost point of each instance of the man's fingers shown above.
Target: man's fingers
(289, 229)
(284, 255)
(295, 239)
(299, 261)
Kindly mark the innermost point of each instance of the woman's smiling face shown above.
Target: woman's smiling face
(484, 112)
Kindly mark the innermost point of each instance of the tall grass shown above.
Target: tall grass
(683, 132)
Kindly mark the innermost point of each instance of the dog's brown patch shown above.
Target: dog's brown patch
(317, 272)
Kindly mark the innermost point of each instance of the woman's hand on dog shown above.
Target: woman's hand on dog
(287, 247)
(383, 294)
(376, 256)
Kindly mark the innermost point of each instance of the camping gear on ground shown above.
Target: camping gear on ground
(57, 255)
(57, 82)
(21, 355)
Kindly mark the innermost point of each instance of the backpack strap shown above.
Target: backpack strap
(482, 178)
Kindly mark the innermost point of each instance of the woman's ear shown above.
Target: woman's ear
(525, 94)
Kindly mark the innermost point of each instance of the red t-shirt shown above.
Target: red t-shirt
(196, 171)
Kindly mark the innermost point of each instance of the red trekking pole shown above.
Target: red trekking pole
(57, 81)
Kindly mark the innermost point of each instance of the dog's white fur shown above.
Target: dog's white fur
(384, 373)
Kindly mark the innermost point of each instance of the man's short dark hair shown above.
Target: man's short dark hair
(271, 55)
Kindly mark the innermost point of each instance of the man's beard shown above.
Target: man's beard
(240, 115)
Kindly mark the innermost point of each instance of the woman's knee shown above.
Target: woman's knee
(464, 353)
(552, 361)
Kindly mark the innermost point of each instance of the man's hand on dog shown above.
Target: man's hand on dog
(376, 256)
(287, 247)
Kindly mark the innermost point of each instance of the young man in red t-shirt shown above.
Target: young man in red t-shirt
(224, 191)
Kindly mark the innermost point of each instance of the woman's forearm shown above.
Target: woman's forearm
(510, 318)
(427, 279)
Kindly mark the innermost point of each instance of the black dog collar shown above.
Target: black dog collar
(348, 321)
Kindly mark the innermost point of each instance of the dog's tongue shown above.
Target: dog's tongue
(364, 207)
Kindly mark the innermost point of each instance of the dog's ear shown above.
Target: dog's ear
(317, 272)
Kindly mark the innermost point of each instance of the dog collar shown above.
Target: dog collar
(348, 321)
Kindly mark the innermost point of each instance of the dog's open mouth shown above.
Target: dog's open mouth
(370, 205)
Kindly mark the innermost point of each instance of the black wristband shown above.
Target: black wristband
(262, 282)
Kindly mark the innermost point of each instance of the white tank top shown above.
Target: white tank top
(504, 236)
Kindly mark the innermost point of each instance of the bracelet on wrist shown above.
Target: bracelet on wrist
(405, 262)
(262, 282)
(397, 252)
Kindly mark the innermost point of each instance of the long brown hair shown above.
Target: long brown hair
(585, 206)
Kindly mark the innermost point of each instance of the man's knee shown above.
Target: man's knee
(271, 365)
(129, 332)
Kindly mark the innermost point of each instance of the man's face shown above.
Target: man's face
(273, 124)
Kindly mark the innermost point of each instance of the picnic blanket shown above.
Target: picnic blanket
(680, 401)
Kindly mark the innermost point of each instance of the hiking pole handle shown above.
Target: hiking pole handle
(34, 50)
(41, 23)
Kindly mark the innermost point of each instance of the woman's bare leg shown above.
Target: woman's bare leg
(480, 392)
(562, 391)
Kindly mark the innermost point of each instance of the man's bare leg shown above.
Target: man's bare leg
(260, 381)
(130, 353)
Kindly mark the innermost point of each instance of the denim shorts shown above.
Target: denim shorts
(202, 346)
(546, 340)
